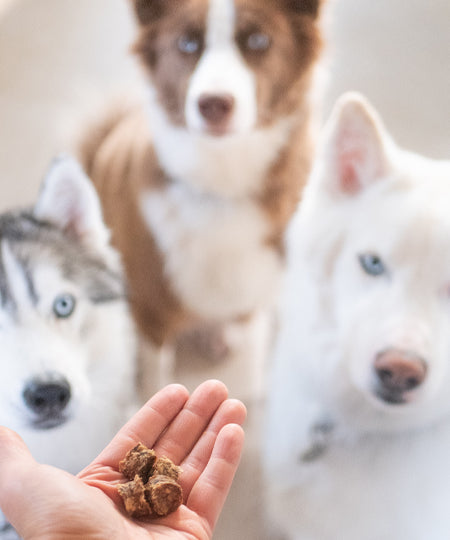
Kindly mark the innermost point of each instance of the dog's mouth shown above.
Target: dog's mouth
(49, 422)
(391, 398)
(220, 130)
(215, 132)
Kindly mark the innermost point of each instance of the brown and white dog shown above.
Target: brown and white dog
(199, 184)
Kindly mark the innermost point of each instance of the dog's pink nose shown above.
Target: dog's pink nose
(399, 371)
(216, 109)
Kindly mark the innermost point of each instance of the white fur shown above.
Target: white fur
(68, 199)
(16, 277)
(215, 251)
(96, 361)
(220, 24)
(380, 470)
(229, 166)
(222, 70)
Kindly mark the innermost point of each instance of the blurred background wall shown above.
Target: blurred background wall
(55, 55)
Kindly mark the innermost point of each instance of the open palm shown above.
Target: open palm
(201, 433)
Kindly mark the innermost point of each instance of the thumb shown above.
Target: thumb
(16, 465)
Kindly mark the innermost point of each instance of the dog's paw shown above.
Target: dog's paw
(207, 343)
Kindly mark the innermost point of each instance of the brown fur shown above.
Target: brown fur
(119, 155)
(280, 83)
(284, 183)
(125, 164)
(168, 68)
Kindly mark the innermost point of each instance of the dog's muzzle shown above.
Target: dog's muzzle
(397, 373)
(47, 397)
(216, 111)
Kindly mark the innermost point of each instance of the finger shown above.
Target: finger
(209, 493)
(146, 425)
(230, 412)
(16, 466)
(186, 429)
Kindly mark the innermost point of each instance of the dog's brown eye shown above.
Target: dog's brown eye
(258, 42)
(189, 44)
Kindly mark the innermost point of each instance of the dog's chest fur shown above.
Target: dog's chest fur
(369, 487)
(216, 251)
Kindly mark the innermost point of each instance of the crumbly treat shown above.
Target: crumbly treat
(164, 494)
(134, 497)
(138, 461)
(153, 488)
(165, 466)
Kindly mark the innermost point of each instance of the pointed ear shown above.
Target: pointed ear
(69, 201)
(309, 7)
(354, 149)
(148, 10)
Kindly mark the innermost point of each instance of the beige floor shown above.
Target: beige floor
(56, 56)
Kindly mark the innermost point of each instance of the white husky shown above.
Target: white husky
(358, 444)
(66, 337)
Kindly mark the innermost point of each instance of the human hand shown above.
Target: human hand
(201, 433)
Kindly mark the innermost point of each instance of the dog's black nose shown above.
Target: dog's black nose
(216, 109)
(47, 397)
(398, 372)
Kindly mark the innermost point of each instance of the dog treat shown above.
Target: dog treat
(153, 488)
(134, 497)
(164, 494)
(165, 466)
(138, 461)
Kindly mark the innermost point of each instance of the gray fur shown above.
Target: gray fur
(28, 237)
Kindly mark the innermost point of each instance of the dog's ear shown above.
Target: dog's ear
(68, 200)
(354, 150)
(309, 7)
(148, 10)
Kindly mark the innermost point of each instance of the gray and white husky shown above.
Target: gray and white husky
(66, 337)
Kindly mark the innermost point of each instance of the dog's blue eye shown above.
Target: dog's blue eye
(372, 264)
(258, 42)
(189, 44)
(64, 305)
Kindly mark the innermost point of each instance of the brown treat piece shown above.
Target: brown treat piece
(165, 466)
(153, 489)
(133, 494)
(164, 494)
(139, 460)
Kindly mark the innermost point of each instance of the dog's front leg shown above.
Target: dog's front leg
(156, 368)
